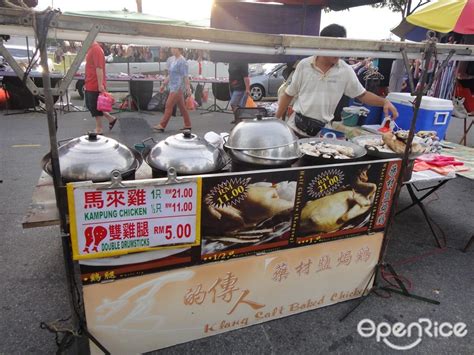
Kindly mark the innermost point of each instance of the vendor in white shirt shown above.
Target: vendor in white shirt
(318, 84)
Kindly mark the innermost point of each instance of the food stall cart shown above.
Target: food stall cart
(164, 261)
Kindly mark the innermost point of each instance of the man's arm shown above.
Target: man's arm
(247, 85)
(187, 84)
(283, 104)
(371, 99)
(100, 79)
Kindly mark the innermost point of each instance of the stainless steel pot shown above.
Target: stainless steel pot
(187, 153)
(263, 141)
(93, 157)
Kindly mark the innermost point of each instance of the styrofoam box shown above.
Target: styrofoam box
(434, 113)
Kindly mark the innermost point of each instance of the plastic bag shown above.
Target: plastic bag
(126, 103)
(205, 95)
(198, 94)
(250, 103)
(105, 102)
(190, 105)
(158, 101)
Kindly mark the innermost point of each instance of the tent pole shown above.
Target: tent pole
(77, 318)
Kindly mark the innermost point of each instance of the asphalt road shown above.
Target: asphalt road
(34, 288)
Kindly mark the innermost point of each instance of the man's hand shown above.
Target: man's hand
(371, 99)
(389, 108)
(101, 88)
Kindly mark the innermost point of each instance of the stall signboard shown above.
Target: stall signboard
(256, 212)
(158, 310)
(143, 216)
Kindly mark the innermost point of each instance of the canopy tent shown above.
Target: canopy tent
(334, 5)
(136, 16)
(442, 16)
(297, 17)
(263, 18)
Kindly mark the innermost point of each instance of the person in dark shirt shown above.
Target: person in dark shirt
(239, 84)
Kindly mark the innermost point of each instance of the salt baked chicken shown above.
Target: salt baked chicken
(396, 142)
(229, 217)
(330, 213)
(263, 201)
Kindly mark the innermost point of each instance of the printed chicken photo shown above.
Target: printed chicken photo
(332, 212)
(264, 214)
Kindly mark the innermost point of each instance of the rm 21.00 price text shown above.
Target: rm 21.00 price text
(186, 192)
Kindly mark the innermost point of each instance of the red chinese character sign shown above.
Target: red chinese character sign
(107, 222)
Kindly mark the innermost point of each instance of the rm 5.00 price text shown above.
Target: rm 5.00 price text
(180, 231)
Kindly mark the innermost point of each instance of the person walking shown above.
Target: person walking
(239, 84)
(94, 84)
(178, 83)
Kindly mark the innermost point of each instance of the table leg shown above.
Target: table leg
(418, 202)
(431, 190)
(469, 243)
(466, 132)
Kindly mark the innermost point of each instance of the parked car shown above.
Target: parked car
(267, 83)
(23, 55)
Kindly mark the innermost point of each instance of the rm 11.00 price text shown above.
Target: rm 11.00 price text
(179, 206)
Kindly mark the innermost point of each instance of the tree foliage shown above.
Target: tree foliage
(405, 7)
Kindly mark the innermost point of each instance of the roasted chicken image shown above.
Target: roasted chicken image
(263, 202)
(229, 217)
(330, 213)
(263, 209)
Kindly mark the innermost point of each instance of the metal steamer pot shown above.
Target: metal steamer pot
(94, 157)
(187, 153)
(263, 142)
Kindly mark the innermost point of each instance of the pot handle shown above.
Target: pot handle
(372, 148)
(148, 139)
(271, 158)
(266, 148)
(64, 140)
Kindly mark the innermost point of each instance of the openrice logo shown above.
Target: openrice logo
(415, 330)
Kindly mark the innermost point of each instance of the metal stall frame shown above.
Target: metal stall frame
(53, 24)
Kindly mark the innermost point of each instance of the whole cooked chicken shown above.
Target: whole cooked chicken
(396, 142)
(330, 213)
(263, 202)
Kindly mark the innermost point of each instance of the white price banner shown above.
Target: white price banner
(107, 222)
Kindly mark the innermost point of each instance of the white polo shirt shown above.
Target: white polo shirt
(317, 93)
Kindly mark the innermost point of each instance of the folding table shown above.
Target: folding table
(436, 181)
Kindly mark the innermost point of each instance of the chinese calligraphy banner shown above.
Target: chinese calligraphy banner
(145, 313)
(109, 222)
